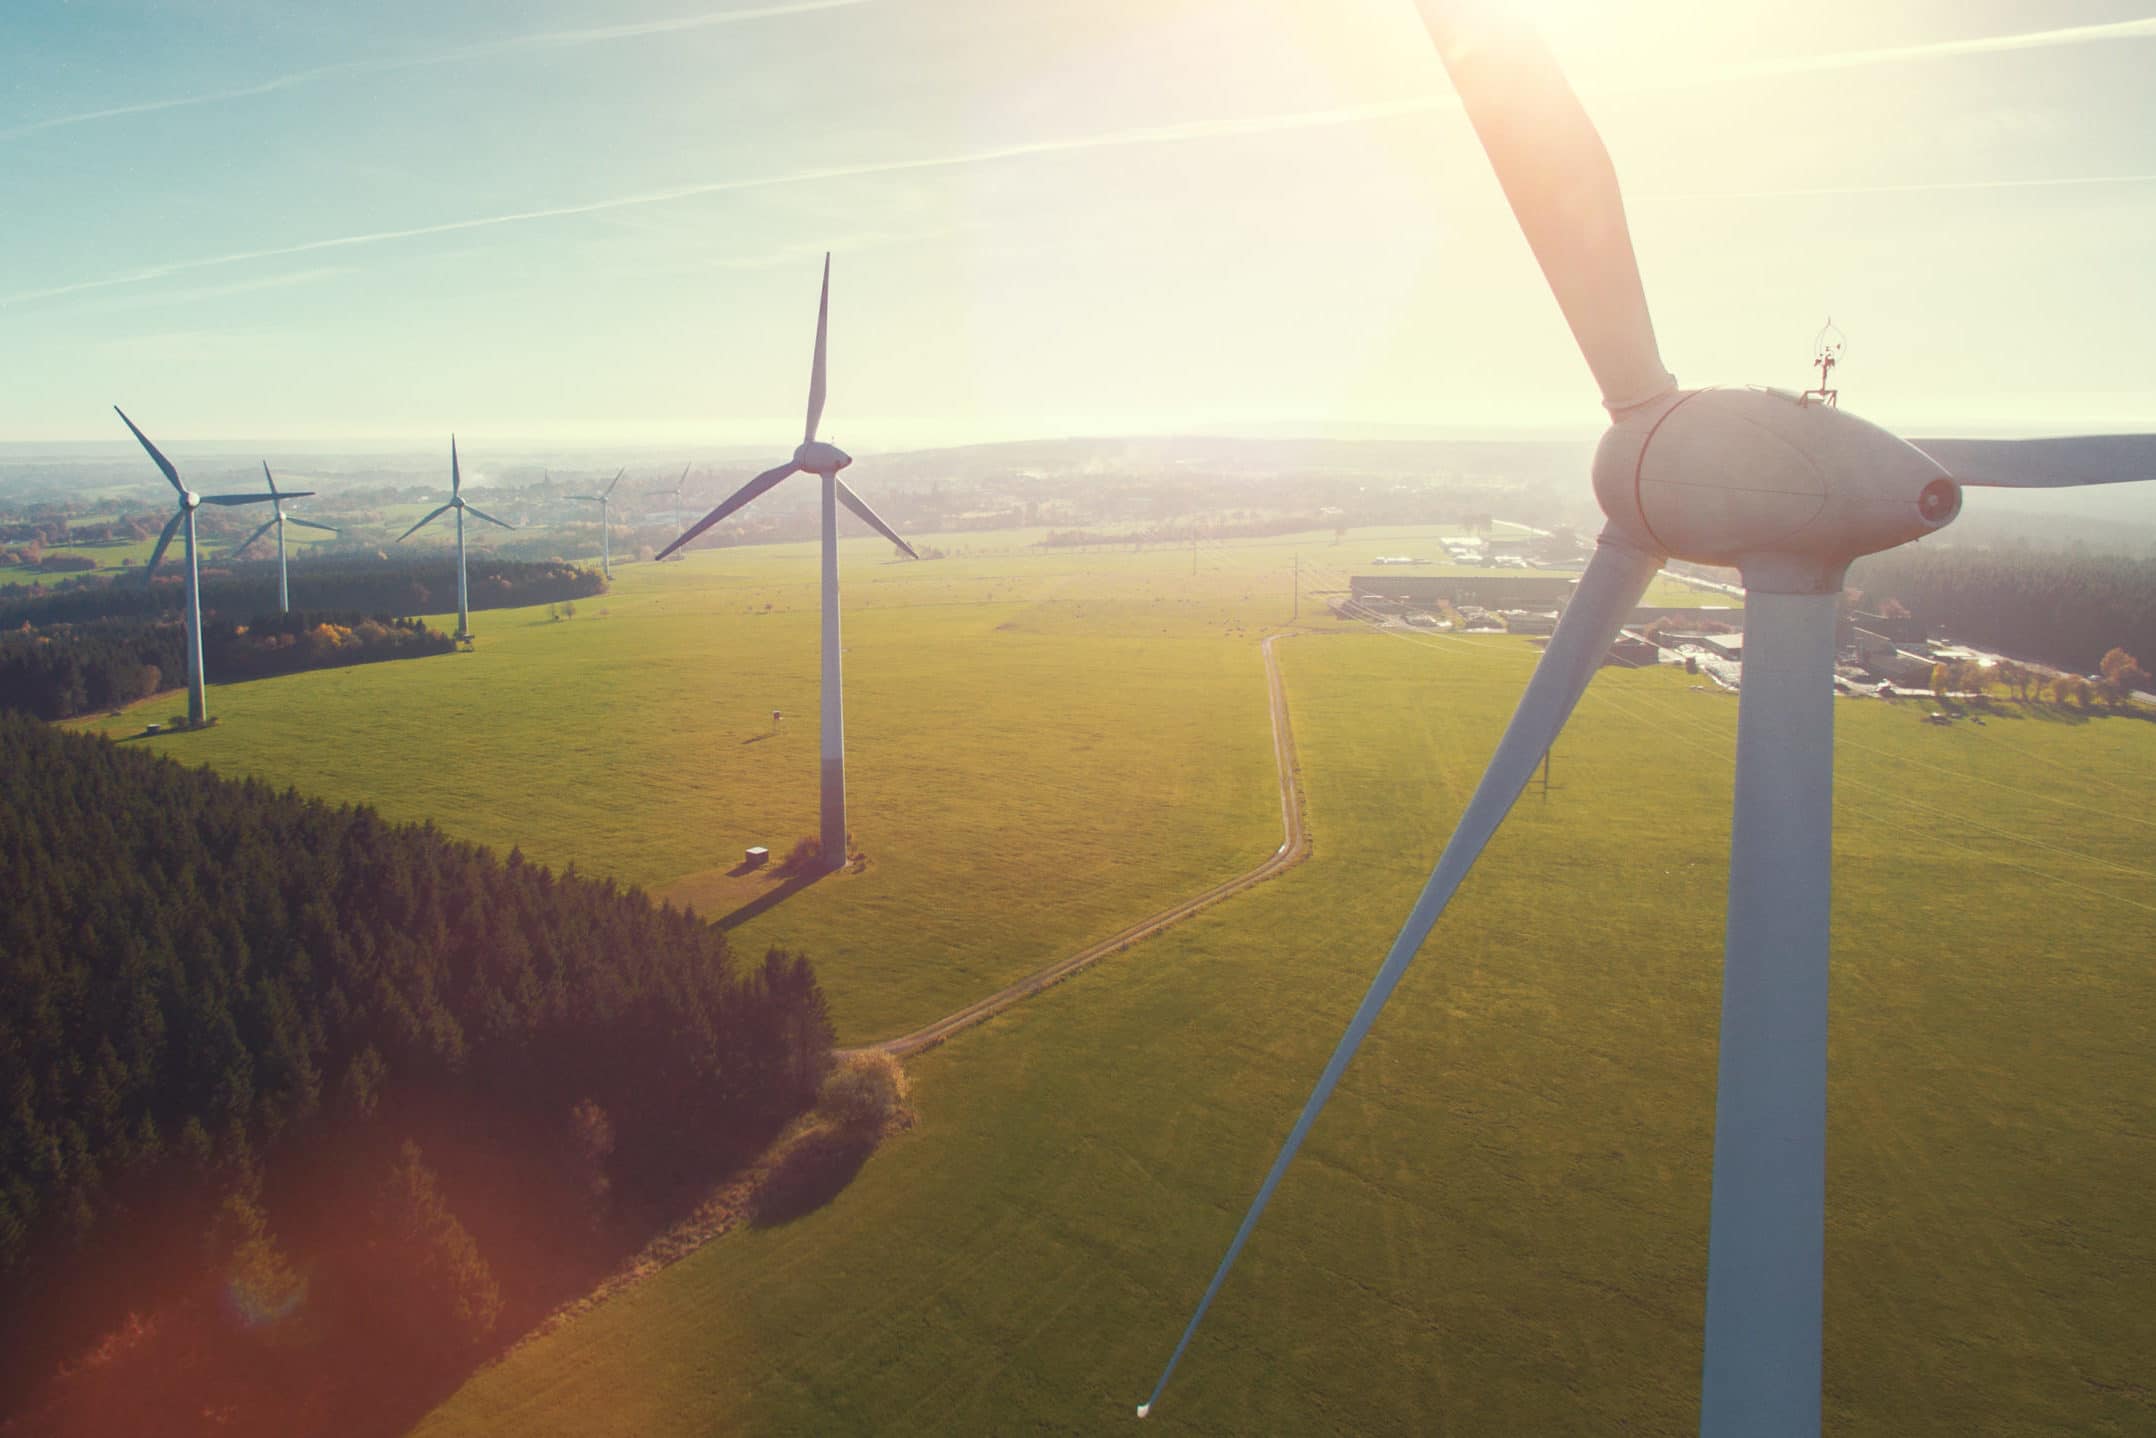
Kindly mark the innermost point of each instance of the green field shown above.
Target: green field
(136, 553)
(1040, 749)
(1500, 1226)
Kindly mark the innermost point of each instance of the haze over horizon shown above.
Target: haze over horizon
(585, 224)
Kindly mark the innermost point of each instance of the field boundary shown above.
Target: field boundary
(1294, 848)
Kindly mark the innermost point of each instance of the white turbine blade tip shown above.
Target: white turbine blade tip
(1144, 1408)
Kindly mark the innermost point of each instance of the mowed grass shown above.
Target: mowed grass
(1041, 749)
(1500, 1224)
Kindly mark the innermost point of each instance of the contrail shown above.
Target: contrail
(1150, 135)
(1921, 188)
(1147, 135)
(539, 40)
(1945, 49)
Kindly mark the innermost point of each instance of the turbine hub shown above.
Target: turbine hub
(816, 457)
(1760, 480)
(190, 499)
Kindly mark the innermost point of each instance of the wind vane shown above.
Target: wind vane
(1826, 354)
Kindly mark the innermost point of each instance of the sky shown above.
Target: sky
(601, 221)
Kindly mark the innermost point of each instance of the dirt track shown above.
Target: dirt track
(1294, 847)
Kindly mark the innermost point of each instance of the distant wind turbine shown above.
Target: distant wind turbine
(458, 503)
(604, 499)
(675, 491)
(825, 461)
(277, 521)
(197, 706)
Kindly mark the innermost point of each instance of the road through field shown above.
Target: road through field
(1294, 846)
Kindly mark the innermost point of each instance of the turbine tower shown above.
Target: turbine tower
(604, 499)
(813, 456)
(198, 711)
(277, 520)
(458, 503)
(1788, 491)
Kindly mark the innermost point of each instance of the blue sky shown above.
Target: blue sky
(601, 223)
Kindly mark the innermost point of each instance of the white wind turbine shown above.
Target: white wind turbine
(815, 457)
(197, 703)
(278, 520)
(675, 491)
(1787, 491)
(605, 499)
(458, 503)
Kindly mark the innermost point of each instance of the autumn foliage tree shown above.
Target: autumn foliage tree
(2123, 674)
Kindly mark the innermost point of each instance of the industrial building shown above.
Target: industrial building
(1489, 591)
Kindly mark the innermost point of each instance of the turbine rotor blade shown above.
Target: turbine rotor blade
(231, 499)
(312, 524)
(477, 513)
(823, 315)
(1614, 581)
(268, 478)
(172, 527)
(267, 525)
(859, 506)
(738, 498)
(456, 475)
(437, 514)
(155, 453)
(616, 480)
(1558, 179)
(2045, 463)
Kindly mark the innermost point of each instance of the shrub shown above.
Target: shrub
(865, 1093)
(805, 857)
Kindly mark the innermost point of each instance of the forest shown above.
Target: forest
(2066, 608)
(294, 1097)
(360, 585)
(69, 669)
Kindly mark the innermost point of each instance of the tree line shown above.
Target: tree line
(420, 585)
(69, 669)
(258, 1046)
(2059, 607)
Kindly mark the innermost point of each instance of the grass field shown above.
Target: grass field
(1500, 1226)
(136, 553)
(1097, 721)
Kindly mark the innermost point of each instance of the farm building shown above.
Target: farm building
(1632, 652)
(1490, 591)
(1727, 646)
(1729, 614)
(1529, 621)
(1902, 629)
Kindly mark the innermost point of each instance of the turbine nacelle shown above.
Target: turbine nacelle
(817, 457)
(1761, 480)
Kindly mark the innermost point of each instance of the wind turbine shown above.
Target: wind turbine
(1788, 491)
(676, 492)
(458, 503)
(604, 499)
(197, 705)
(277, 520)
(813, 456)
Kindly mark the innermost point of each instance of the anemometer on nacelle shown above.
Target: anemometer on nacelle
(1827, 348)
